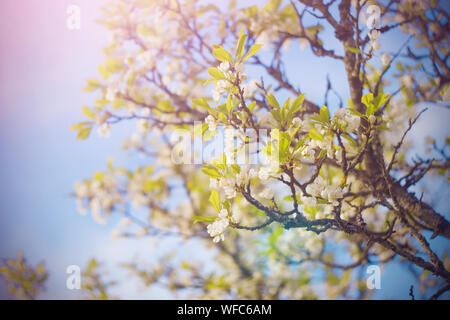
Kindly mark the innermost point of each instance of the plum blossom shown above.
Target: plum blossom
(219, 89)
(104, 130)
(344, 116)
(212, 123)
(385, 59)
(320, 188)
(228, 186)
(223, 214)
(217, 228)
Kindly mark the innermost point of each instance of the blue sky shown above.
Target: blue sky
(42, 70)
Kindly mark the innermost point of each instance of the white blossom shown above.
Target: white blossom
(385, 59)
(376, 45)
(223, 214)
(374, 34)
(104, 130)
(309, 201)
(224, 67)
(142, 125)
(217, 228)
(212, 123)
(145, 112)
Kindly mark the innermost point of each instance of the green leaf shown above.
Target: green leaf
(99, 103)
(214, 198)
(87, 112)
(84, 133)
(221, 54)
(367, 99)
(314, 135)
(284, 144)
(241, 44)
(253, 50)
(79, 126)
(92, 84)
(272, 6)
(356, 113)
(272, 101)
(203, 219)
(99, 176)
(276, 114)
(324, 114)
(211, 172)
(251, 106)
(202, 103)
(229, 104)
(216, 73)
(297, 103)
(103, 71)
(236, 169)
(114, 65)
(165, 105)
(380, 100)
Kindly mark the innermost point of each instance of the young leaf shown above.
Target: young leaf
(113, 65)
(314, 135)
(103, 71)
(216, 73)
(203, 219)
(84, 133)
(251, 106)
(253, 50)
(214, 198)
(221, 54)
(211, 172)
(87, 112)
(236, 169)
(92, 84)
(229, 105)
(367, 99)
(324, 114)
(241, 44)
(297, 103)
(202, 103)
(272, 101)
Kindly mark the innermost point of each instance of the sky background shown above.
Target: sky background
(43, 66)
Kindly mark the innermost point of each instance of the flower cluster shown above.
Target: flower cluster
(228, 184)
(217, 228)
(320, 188)
(100, 195)
(374, 34)
(344, 117)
